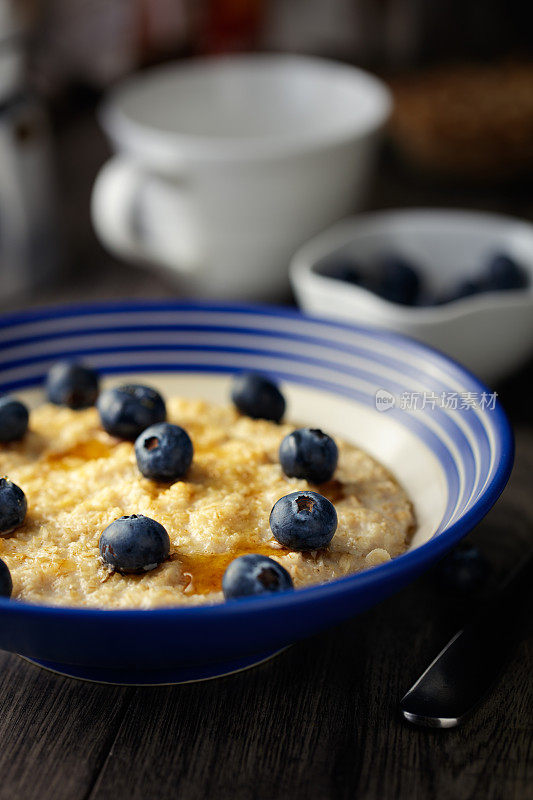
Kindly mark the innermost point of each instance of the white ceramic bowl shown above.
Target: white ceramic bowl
(224, 166)
(491, 333)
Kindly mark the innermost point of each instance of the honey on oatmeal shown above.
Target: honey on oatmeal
(78, 479)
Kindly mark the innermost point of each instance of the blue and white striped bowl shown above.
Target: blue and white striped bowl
(432, 423)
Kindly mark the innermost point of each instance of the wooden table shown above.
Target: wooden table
(319, 721)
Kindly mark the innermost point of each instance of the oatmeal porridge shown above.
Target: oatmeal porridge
(78, 479)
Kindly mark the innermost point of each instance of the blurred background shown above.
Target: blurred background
(460, 133)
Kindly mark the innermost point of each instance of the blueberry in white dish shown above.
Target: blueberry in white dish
(501, 274)
(464, 570)
(303, 521)
(309, 453)
(504, 274)
(466, 288)
(398, 281)
(13, 506)
(164, 452)
(14, 418)
(134, 544)
(253, 574)
(71, 384)
(6, 584)
(258, 397)
(343, 269)
(126, 411)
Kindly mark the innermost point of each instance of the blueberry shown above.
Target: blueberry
(258, 397)
(71, 384)
(503, 273)
(126, 411)
(6, 584)
(134, 544)
(466, 288)
(309, 453)
(463, 570)
(164, 452)
(254, 574)
(303, 521)
(13, 419)
(343, 269)
(398, 281)
(13, 506)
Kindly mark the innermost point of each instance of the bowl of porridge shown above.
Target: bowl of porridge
(189, 488)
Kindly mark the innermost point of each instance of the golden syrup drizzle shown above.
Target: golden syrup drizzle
(81, 452)
(203, 572)
(333, 490)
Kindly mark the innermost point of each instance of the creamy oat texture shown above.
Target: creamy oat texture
(78, 479)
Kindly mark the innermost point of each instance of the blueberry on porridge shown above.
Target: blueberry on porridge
(144, 502)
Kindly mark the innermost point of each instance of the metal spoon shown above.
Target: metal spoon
(463, 672)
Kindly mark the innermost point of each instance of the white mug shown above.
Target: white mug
(225, 166)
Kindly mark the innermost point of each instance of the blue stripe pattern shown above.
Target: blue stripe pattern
(473, 445)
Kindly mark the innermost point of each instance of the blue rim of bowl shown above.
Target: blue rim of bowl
(412, 560)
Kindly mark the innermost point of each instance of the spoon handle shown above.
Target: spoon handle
(470, 663)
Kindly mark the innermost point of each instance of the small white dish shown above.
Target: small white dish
(490, 333)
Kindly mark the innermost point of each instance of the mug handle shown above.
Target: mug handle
(116, 193)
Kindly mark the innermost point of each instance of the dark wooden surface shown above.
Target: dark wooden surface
(321, 720)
